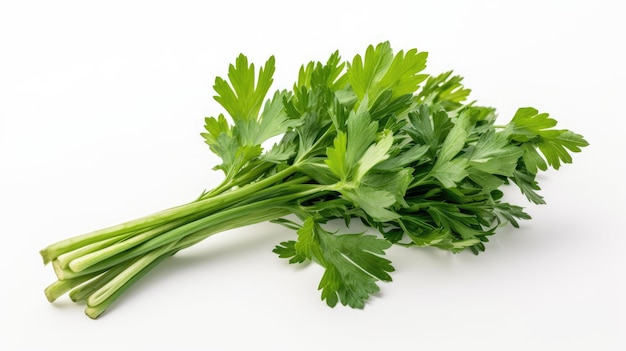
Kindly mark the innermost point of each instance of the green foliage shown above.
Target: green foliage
(380, 70)
(242, 94)
(352, 262)
(534, 131)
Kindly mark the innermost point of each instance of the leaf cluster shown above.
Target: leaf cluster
(378, 140)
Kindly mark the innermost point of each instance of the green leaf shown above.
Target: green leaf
(444, 90)
(508, 213)
(380, 70)
(215, 127)
(319, 172)
(313, 109)
(448, 168)
(375, 202)
(279, 153)
(486, 181)
(330, 74)
(428, 128)
(365, 73)
(225, 146)
(336, 156)
(528, 185)
(244, 95)
(554, 146)
(534, 131)
(493, 154)
(389, 111)
(287, 250)
(361, 132)
(241, 156)
(451, 173)
(403, 158)
(396, 183)
(423, 231)
(375, 154)
(273, 121)
(402, 76)
(455, 140)
(532, 159)
(352, 263)
(347, 158)
(528, 123)
(430, 238)
(450, 217)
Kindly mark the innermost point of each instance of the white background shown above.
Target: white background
(101, 106)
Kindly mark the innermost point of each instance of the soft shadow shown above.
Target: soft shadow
(263, 238)
(205, 253)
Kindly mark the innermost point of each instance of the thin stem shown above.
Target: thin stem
(67, 274)
(65, 259)
(121, 279)
(236, 212)
(194, 208)
(82, 292)
(95, 311)
(81, 263)
(60, 287)
(245, 176)
(269, 214)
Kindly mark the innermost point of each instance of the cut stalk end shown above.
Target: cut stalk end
(50, 293)
(94, 312)
(45, 255)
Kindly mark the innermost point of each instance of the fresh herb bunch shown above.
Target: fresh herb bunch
(373, 139)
